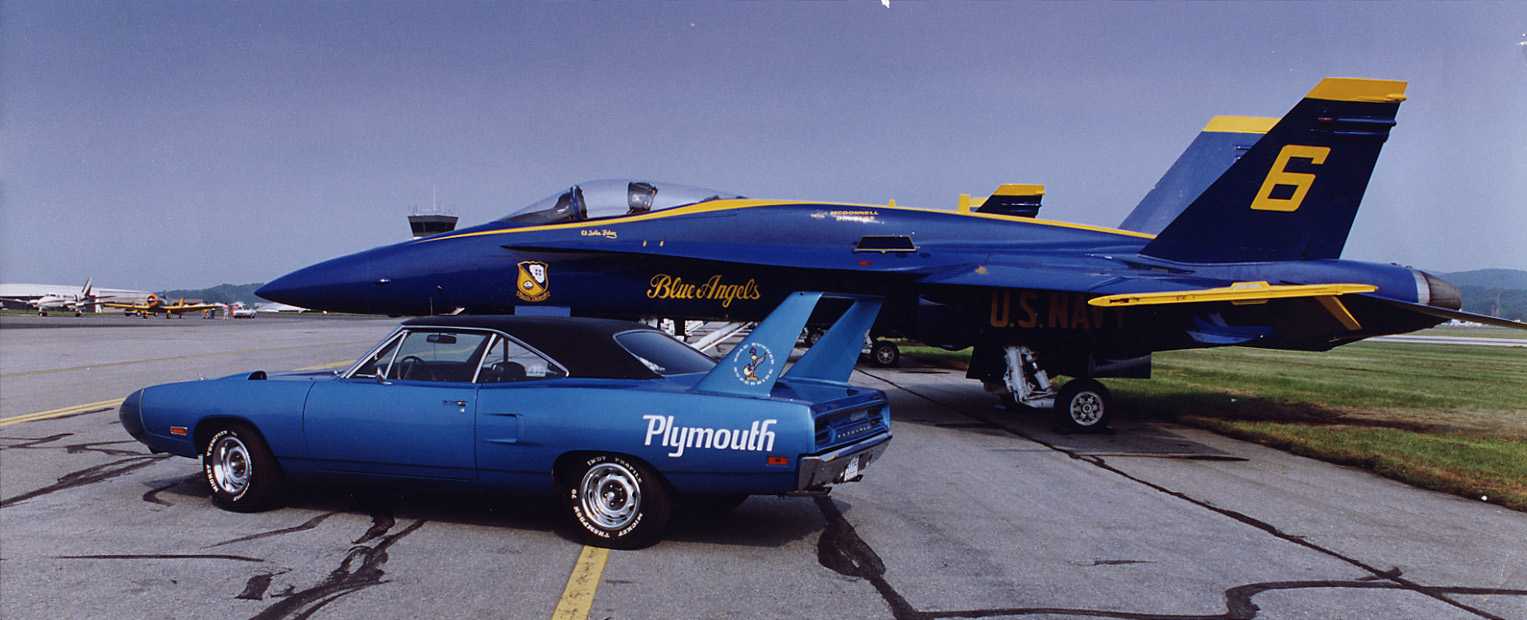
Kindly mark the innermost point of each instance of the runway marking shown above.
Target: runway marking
(60, 412)
(327, 366)
(578, 596)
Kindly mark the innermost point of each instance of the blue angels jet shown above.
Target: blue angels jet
(1239, 244)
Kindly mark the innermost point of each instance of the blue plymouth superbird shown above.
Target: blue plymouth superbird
(616, 418)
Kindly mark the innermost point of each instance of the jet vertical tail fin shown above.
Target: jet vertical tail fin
(85, 292)
(1293, 196)
(1223, 141)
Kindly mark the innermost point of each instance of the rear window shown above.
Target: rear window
(663, 354)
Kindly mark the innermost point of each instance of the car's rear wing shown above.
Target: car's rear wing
(753, 367)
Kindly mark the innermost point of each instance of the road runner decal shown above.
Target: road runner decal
(757, 438)
(754, 365)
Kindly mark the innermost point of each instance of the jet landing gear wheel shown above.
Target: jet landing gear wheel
(616, 502)
(885, 354)
(240, 470)
(1083, 405)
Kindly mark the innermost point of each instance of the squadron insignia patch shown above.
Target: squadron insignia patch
(532, 284)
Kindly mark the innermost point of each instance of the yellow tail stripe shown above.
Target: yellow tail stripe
(578, 597)
(61, 411)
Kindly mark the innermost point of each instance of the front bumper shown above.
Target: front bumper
(819, 470)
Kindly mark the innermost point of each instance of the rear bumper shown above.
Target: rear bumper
(820, 470)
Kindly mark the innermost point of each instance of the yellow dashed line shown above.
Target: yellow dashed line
(60, 412)
(578, 596)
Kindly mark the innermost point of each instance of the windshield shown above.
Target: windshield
(610, 198)
(662, 354)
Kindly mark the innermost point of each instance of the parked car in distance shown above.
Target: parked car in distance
(616, 419)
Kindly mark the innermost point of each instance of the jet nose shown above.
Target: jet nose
(335, 285)
(1435, 291)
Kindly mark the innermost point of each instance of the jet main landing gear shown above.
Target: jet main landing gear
(1081, 404)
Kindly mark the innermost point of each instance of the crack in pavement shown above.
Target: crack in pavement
(342, 581)
(158, 556)
(88, 475)
(1392, 579)
(195, 486)
(305, 525)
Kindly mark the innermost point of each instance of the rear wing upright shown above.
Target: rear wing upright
(755, 365)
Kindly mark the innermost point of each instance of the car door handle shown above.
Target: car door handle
(454, 403)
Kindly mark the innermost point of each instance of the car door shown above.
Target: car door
(516, 393)
(407, 412)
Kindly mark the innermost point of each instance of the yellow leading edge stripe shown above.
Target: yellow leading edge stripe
(60, 412)
(1245, 292)
(578, 597)
(731, 205)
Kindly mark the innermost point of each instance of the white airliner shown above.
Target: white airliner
(75, 303)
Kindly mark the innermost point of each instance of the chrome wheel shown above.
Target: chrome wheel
(232, 468)
(611, 495)
(1086, 408)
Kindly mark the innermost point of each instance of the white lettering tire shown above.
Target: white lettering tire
(616, 502)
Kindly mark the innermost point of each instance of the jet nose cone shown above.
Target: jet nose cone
(336, 285)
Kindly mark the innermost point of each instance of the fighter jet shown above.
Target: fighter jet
(1239, 244)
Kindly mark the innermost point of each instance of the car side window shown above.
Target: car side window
(437, 355)
(376, 363)
(508, 361)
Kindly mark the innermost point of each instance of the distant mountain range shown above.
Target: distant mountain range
(220, 294)
(1500, 292)
(1497, 292)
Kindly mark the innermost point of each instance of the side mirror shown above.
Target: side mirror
(381, 380)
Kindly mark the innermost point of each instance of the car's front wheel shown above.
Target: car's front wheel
(240, 469)
(617, 502)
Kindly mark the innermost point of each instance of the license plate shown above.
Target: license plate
(852, 469)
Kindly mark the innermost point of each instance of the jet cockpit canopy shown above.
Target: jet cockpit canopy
(604, 198)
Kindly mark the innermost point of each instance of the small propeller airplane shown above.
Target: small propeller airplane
(1239, 244)
(154, 306)
(75, 303)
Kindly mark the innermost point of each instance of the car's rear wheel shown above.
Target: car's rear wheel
(240, 469)
(617, 502)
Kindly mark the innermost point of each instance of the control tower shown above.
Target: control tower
(432, 220)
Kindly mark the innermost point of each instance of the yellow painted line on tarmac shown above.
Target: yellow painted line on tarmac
(338, 364)
(578, 596)
(60, 412)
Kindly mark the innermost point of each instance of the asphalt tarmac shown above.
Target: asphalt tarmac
(973, 513)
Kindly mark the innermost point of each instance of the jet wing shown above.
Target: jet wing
(1078, 279)
(1239, 293)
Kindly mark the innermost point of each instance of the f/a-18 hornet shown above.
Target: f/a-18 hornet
(1219, 254)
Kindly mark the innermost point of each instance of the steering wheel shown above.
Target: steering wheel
(408, 365)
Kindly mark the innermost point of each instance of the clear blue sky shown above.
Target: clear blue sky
(173, 144)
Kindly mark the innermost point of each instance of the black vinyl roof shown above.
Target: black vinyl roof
(586, 347)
